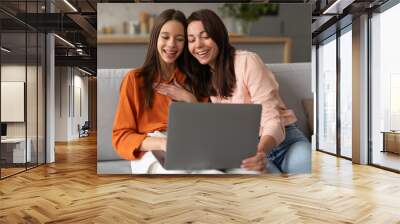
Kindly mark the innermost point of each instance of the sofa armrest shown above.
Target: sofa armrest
(308, 105)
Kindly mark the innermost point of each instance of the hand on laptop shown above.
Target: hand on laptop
(176, 92)
(256, 163)
(154, 143)
(163, 143)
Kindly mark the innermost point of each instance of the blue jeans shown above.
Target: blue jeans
(293, 155)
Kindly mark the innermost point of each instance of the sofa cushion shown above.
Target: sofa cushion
(308, 105)
(294, 81)
(108, 84)
(114, 167)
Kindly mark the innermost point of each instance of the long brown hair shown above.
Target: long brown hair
(152, 65)
(223, 81)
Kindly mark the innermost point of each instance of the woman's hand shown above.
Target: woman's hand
(163, 143)
(256, 163)
(154, 143)
(175, 91)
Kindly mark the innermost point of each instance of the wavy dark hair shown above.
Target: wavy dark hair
(223, 81)
(152, 65)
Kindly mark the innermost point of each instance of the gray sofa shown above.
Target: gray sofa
(108, 83)
(295, 85)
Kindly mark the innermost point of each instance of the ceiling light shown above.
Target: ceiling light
(337, 7)
(70, 5)
(86, 72)
(80, 51)
(5, 49)
(65, 41)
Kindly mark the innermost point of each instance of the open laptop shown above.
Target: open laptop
(210, 136)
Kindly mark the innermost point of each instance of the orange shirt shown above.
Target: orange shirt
(133, 120)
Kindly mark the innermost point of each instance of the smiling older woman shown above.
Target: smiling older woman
(235, 76)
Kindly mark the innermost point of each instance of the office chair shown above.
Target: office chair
(84, 130)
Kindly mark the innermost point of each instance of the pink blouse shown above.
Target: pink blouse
(255, 83)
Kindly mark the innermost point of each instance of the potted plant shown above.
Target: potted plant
(245, 13)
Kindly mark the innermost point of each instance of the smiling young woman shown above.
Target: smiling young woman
(141, 110)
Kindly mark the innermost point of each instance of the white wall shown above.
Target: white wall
(33, 126)
(14, 73)
(67, 117)
(12, 100)
(17, 73)
(80, 83)
(61, 103)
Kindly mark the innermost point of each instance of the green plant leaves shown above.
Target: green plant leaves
(248, 12)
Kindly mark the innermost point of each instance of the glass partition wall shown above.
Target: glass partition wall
(385, 89)
(334, 94)
(334, 90)
(13, 89)
(22, 79)
(345, 65)
(327, 95)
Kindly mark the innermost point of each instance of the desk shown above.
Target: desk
(13, 150)
(391, 141)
